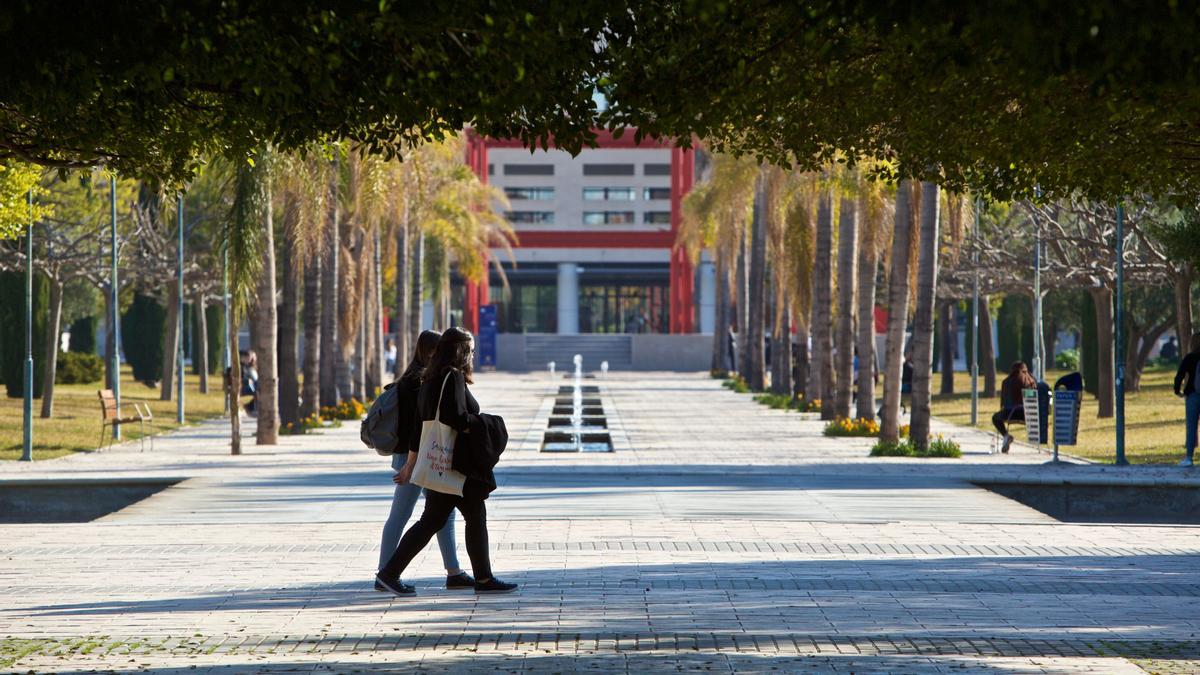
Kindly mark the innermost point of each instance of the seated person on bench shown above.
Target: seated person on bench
(1011, 407)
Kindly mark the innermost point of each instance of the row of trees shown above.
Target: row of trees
(829, 246)
(331, 243)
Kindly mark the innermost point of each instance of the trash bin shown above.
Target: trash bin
(1068, 399)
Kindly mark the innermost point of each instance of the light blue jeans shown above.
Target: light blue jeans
(403, 502)
(1192, 404)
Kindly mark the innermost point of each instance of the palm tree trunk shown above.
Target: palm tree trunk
(847, 257)
(266, 336)
(378, 365)
(311, 392)
(329, 300)
(822, 327)
(743, 304)
(1106, 397)
(403, 295)
(756, 278)
(987, 355)
(927, 270)
(781, 350)
(233, 390)
(418, 291)
(200, 347)
(343, 352)
(289, 310)
(53, 331)
(948, 337)
(889, 430)
(800, 370)
(170, 346)
(868, 266)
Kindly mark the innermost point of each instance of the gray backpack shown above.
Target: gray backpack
(380, 426)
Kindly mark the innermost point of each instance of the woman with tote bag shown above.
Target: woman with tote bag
(445, 401)
(406, 494)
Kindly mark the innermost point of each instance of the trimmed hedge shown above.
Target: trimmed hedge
(78, 368)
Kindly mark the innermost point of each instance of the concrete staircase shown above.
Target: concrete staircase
(541, 348)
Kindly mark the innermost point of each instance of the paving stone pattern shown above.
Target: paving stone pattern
(722, 536)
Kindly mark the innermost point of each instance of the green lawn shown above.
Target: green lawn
(1153, 419)
(75, 426)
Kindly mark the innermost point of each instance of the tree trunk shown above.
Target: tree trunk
(266, 335)
(200, 347)
(53, 334)
(418, 290)
(1184, 276)
(721, 322)
(170, 346)
(403, 276)
(1106, 396)
(800, 371)
(846, 273)
(822, 327)
(868, 266)
(312, 338)
(289, 311)
(233, 390)
(329, 300)
(378, 361)
(897, 315)
(781, 349)
(743, 306)
(756, 279)
(948, 337)
(344, 351)
(927, 270)
(987, 355)
(1139, 356)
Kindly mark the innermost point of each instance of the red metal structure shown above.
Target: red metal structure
(682, 277)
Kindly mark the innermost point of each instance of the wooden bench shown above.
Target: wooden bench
(110, 418)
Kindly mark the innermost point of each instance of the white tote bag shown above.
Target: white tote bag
(436, 454)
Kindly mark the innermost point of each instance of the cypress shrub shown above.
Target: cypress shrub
(1089, 359)
(12, 331)
(215, 321)
(142, 328)
(1014, 332)
(83, 335)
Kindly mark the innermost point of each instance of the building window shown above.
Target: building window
(608, 217)
(656, 170)
(592, 194)
(608, 169)
(651, 194)
(491, 169)
(543, 217)
(528, 169)
(541, 193)
(656, 217)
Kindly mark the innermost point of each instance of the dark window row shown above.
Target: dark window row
(530, 216)
(588, 169)
(529, 192)
(656, 217)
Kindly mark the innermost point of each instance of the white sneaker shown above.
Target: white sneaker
(1185, 462)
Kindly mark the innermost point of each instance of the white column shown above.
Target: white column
(708, 297)
(568, 299)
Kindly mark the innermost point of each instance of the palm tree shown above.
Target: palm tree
(329, 394)
(872, 206)
(265, 334)
(756, 280)
(927, 268)
(822, 327)
(897, 314)
(847, 257)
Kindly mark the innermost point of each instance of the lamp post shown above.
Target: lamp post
(1039, 356)
(975, 318)
(116, 309)
(226, 355)
(179, 318)
(1119, 337)
(27, 408)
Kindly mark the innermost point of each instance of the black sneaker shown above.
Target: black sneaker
(393, 586)
(494, 585)
(459, 582)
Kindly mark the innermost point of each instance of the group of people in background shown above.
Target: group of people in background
(435, 386)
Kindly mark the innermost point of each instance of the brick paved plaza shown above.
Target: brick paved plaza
(720, 536)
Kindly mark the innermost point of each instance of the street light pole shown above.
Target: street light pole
(1119, 336)
(27, 409)
(1039, 357)
(179, 315)
(116, 310)
(975, 318)
(226, 355)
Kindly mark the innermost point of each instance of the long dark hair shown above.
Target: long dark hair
(453, 351)
(427, 341)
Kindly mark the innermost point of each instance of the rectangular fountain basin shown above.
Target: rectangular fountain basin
(588, 421)
(587, 411)
(587, 389)
(564, 441)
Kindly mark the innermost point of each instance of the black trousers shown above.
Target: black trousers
(1016, 414)
(437, 509)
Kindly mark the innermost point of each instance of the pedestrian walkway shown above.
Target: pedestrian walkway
(721, 536)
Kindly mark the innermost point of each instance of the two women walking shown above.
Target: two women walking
(441, 393)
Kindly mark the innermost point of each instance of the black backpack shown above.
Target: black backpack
(380, 426)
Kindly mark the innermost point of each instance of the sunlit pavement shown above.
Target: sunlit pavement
(720, 535)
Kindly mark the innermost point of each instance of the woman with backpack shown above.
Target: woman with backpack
(405, 497)
(1187, 385)
(444, 397)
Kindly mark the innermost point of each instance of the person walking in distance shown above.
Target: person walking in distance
(444, 396)
(406, 494)
(1187, 385)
